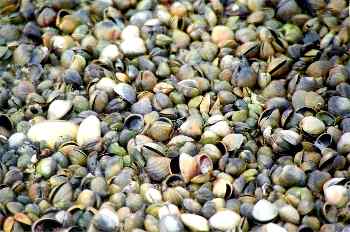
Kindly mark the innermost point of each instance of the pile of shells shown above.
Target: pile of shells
(170, 116)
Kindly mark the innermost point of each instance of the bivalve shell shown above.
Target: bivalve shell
(225, 220)
(336, 195)
(195, 222)
(89, 131)
(264, 211)
(58, 109)
(312, 125)
(51, 131)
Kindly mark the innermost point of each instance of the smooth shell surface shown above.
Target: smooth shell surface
(89, 130)
(195, 222)
(225, 220)
(58, 109)
(51, 131)
(264, 211)
(312, 125)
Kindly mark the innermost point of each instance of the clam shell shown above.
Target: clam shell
(264, 211)
(233, 141)
(312, 125)
(289, 214)
(89, 131)
(343, 145)
(58, 109)
(158, 167)
(188, 166)
(336, 195)
(225, 220)
(52, 131)
(195, 222)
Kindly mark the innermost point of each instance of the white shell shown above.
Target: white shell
(272, 227)
(89, 131)
(264, 211)
(58, 109)
(336, 195)
(133, 46)
(106, 84)
(130, 32)
(51, 131)
(195, 222)
(221, 128)
(225, 220)
(111, 52)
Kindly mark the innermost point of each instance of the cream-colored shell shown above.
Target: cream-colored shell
(89, 131)
(51, 131)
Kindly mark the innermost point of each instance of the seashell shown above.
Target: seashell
(192, 127)
(272, 227)
(186, 165)
(289, 214)
(312, 125)
(336, 195)
(126, 92)
(170, 223)
(233, 141)
(205, 164)
(264, 211)
(222, 188)
(343, 145)
(225, 220)
(157, 167)
(89, 131)
(195, 222)
(51, 131)
(58, 109)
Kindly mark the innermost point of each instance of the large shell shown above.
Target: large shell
(51, 131)
(58, 109)
(89, 131)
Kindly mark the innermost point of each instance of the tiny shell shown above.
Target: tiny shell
(51, 131)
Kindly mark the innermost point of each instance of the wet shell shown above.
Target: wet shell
(89, 131)
(58, 109)
(126, 92)
(51, 131)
